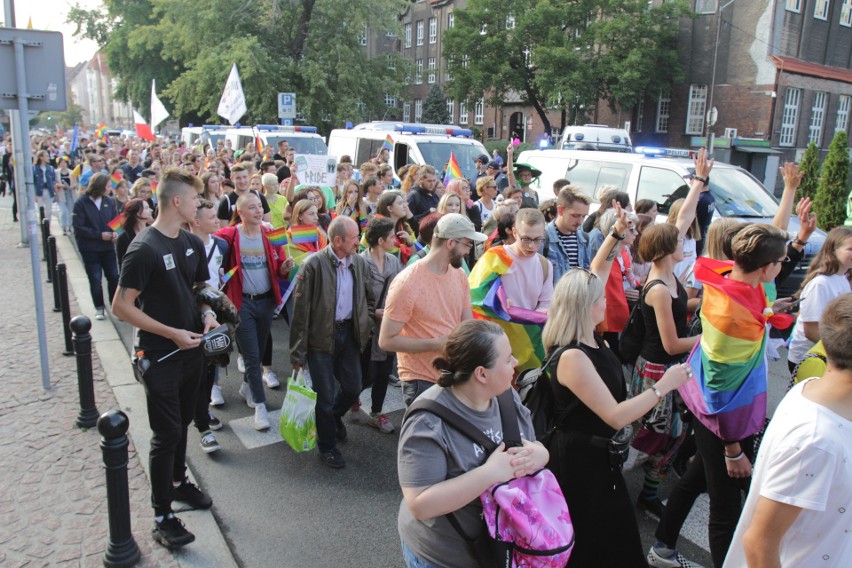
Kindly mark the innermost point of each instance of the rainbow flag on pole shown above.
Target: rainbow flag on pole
(453, 170)
(227, 276)
(304, 234)
(278, 237)
(388, 143)
(101, 130)
(489, 302)
(116, 178)
(727, 392)
(115, 224)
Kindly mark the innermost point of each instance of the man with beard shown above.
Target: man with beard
(426, 301)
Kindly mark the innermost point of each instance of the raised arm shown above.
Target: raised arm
(687, 213)
(510, 170)
(602, 263)
(792, 178)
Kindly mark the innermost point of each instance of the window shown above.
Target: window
(431, 65)
(433, 30)
(510, 22)
(451, 109)
(640, 115)
(407, 35)
(705, 6)
(406, 112)
(790, 117)
(451, 21)
(418, 75)
(465, 60)
(821, 9)
(592, 174)
(663, 186)
(418, 110)
(462, 113)
(664, 104)
(794, 6)
(846, 13)
(817, 118)
(842, 112)
(697, 106)
(390, 100)
(362, 39)
(479, 112)
(420, 32)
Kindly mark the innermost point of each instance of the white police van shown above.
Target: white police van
(192, 135)
(304, 139)
(411, 144)
(595, 137)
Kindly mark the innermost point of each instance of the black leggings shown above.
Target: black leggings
(267, 352)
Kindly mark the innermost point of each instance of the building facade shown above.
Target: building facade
(93, 87)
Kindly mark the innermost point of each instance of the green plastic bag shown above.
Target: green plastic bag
(298, 418)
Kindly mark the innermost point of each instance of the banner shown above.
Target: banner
(316, 169)
(232, 105)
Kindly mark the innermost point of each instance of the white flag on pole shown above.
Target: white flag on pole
(232, 105)
(158, 111)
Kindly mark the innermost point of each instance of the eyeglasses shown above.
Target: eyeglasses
(491, 186)
(784, 260)
(467, 244)
(528, 241)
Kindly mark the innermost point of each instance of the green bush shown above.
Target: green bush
(830, 202)
(809, 168)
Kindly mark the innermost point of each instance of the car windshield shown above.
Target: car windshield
(307, 145)
(738, 194)
(437, 154)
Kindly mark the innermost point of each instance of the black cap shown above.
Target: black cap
(494, 164)
(483, 159)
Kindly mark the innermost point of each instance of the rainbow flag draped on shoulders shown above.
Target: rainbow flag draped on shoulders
(304, 240)
(727, 392)
(488, 299)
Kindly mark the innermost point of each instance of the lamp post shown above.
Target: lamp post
(711, 112)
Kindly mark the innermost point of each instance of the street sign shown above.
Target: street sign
(44, 62)
(287, 105)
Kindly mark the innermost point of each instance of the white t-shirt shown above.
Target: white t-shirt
(690, 255)
(817, 294)
(805, 460)
(214, 262)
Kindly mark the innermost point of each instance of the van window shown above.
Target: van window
(401, 156)
(437, 154)
(590, 175)
(661, 185)
(367, 150)
(302, 144)
(243, 141)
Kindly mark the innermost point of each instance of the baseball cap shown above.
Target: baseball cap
(457, 226)
(483, 159)
(494, 164)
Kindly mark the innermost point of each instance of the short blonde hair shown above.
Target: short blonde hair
(573, 297)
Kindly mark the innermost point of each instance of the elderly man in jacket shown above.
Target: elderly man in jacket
(332, 321)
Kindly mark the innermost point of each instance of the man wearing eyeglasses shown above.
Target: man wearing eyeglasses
(97, 163)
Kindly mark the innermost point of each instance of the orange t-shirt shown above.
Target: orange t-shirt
(430, 305)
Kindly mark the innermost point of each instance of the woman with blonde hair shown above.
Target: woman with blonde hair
(486, 189)
(351, 203)
(461, 187)
(450, 203)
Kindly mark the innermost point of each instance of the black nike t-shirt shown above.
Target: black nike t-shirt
(164, 270)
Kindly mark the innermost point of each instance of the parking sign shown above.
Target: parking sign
(287, 105)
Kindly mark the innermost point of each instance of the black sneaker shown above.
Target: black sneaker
(652, 506)
(333, 459)
(215, 423)
(171, 533)
(340, 433)
(189, 493)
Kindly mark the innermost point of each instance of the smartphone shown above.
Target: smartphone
(795, 303)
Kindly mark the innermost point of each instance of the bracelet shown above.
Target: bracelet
(616, 236)
(657, 392)
(798, 241)
(206, 313)
(705, 181)
(737, 457)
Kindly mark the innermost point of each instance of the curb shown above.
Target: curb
(210, 547)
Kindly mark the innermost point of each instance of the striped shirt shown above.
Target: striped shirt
(570, 246)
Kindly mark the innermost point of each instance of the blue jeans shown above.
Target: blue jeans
(99, 264)
(252, 333)
(412, 561)
(343, 364)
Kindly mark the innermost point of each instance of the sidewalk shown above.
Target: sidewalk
(52, 484)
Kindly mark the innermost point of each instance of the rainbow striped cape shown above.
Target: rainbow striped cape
(300, 251)
(727, 392)
(488, 299)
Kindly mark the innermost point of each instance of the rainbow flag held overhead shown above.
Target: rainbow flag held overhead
(388, 143)
(116, 178)
(115, 224)
(278, 237)
(453, 170)
(258, 144)
(727, 391)
(101, 130)
(304, 234)
(489, 302)
(228, 275)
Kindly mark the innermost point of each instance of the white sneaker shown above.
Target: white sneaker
(99, 314)
(357, 414)
(241, 364)
(261, 417)
(245, 392)
(216, 398)
(676, 561)
(271, 379)
(209, 444)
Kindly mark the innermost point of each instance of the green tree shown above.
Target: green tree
(830, 202)
(435, 107)
(557, 54)
(809, 168)
(63, 119)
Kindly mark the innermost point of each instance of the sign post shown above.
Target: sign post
(287, 108)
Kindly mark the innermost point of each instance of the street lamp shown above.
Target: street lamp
(711, 112)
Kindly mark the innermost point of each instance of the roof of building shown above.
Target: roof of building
(799, 67)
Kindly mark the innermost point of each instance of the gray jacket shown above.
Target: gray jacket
(381, 283)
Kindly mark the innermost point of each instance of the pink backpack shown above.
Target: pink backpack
(527, 519)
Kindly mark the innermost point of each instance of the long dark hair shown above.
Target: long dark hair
(131, 213)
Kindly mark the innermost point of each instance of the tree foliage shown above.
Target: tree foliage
(830, 202)
(435, 107)
(809, 168)
(553, 54)
(309, 47)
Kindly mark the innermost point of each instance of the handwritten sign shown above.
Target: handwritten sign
(316, 169)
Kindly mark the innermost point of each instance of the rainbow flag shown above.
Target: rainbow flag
(453, 170)
(278, 237)
(388, 143)
(101, 130)
(258, 144)
(727, 392)
(154, 187)
(116, 178)
(304, 234)
(489, 302)
(115, 224)
(228, 275)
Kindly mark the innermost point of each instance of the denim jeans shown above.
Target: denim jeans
(99, 264)
(252, 333)
(412, 389)
(412, 561)
(343, 364)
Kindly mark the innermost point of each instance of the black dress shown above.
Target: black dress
(605, 528)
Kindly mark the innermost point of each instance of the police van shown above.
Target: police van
(191, 135)
(662, 175)
(595, 137)
(304, 139)
(410, 144)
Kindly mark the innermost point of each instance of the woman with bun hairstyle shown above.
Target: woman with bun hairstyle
(440, 470)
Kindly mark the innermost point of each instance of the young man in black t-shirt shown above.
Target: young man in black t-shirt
(159, 270)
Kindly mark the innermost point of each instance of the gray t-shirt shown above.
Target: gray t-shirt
(254, 265)
(429, 453)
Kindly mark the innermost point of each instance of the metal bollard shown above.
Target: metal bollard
(45, 232)
(41, 214)
(121, 548)
(88, 416)
(62, 279)
(51, 269)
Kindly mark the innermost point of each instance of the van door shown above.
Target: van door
(661, 185)
(401, 156)
(591, 175)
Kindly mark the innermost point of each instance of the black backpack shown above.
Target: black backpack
(633, 337)
(536, 393)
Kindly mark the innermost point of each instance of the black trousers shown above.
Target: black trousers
(202, 401)
(172, 390)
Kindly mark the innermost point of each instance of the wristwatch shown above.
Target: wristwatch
(798, 241)
(616, 236)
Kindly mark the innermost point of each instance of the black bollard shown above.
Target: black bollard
(121, 549)
(62, 279)
(45, 232)
(51, 268)
(40, 214)
(88, 416)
